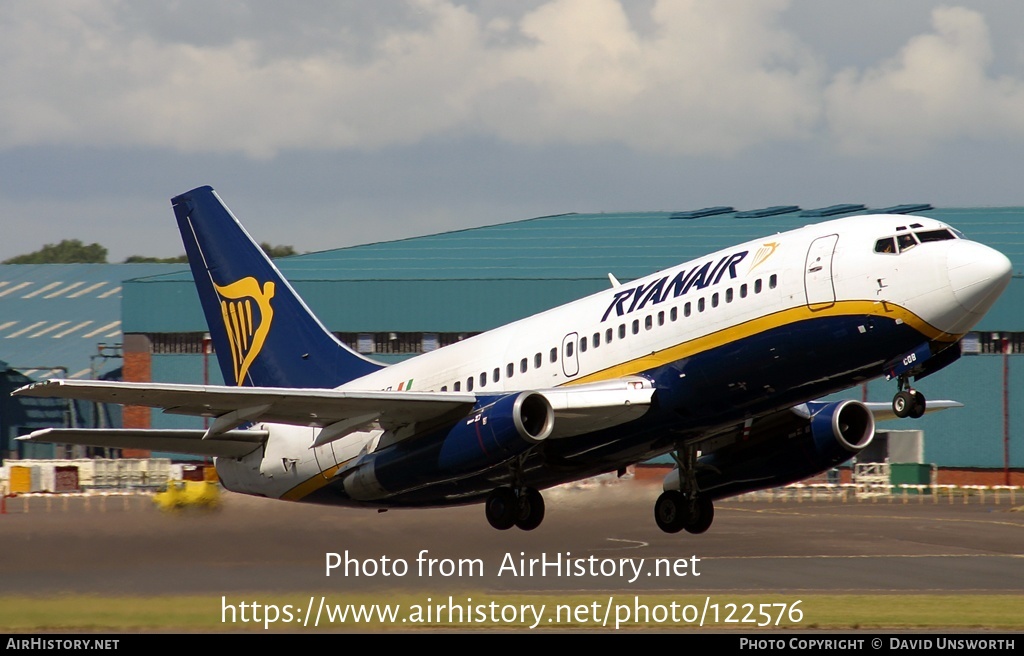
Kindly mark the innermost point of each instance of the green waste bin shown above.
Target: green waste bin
(910, 473)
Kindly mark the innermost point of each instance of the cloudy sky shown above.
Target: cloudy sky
(328, 123)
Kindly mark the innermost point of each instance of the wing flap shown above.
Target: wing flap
(230, 444)
(301, 407)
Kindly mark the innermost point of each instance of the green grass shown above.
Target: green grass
(203, 613)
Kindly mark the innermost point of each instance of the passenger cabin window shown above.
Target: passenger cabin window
(469, 384)
(483, 378)
(536, 361)
(673, 314)
(757, 286)
(686, 309)
(661, 318)
(743, 290)
(607, 335)
(773, 281)
(458, 386)
(497, 374)
(583, 345)
(636, 326)
(444, 388)
(597, 339)
(523, 364)
(622, 331)
(648, 322)
(700, 304)
(714, 300)
(568, 349)
(510, 369)
(728, 295)
(553, 356)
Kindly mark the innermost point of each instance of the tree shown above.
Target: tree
(139, 259)
(68, 251)
(276, 251)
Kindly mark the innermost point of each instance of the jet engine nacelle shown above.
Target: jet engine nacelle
(817, 437)
(497, 429)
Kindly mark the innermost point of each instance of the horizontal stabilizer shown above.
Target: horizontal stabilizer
(230, 444)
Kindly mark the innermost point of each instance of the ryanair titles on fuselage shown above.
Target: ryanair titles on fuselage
(673, 286)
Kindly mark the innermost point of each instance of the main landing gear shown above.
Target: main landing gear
(507, 507)
(686, 508)
(908, 402)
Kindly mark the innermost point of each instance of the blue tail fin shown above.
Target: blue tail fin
(264, 334)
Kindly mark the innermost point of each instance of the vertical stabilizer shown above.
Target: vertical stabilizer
(264, 334)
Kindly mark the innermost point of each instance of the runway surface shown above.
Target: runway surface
(599, 538)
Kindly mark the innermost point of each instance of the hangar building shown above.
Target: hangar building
(392, 300)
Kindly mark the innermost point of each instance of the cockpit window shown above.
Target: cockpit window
(887, 245)
(906, 242)
(934, 235)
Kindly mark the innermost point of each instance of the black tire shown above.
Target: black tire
(902, 404)
(530, 509)
(705, 515)
(919, 405)
(501, 508)
(670, 511)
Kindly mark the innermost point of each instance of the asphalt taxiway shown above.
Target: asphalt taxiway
(600, 537)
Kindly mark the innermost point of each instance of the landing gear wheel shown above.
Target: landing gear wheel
(704, 515)
(670, 511)
(902, 403)
(502, 508)
(530, 509)
(917, 408)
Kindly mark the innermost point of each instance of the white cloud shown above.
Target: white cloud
(714, 76)
(699, 78)
(936, 89)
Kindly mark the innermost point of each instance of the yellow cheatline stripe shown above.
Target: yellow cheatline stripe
(708, 342)
(313, 484)
(764, 324)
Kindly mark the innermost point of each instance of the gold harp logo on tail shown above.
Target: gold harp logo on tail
(247, 318)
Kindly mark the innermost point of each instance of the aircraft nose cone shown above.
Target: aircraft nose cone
(977, 274)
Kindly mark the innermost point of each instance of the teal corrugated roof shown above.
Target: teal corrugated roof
(54, 315)
(571, 253)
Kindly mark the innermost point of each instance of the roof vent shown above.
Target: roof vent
(905, 209)
(707, 211)
(767, 211)
(833, 210)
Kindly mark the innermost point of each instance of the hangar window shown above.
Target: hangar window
(536, 361)
(523, 364)
(553, 356)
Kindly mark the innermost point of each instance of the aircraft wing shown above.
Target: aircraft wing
(883, 411)
(578, 409)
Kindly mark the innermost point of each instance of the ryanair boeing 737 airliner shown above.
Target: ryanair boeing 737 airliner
(717, 361)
